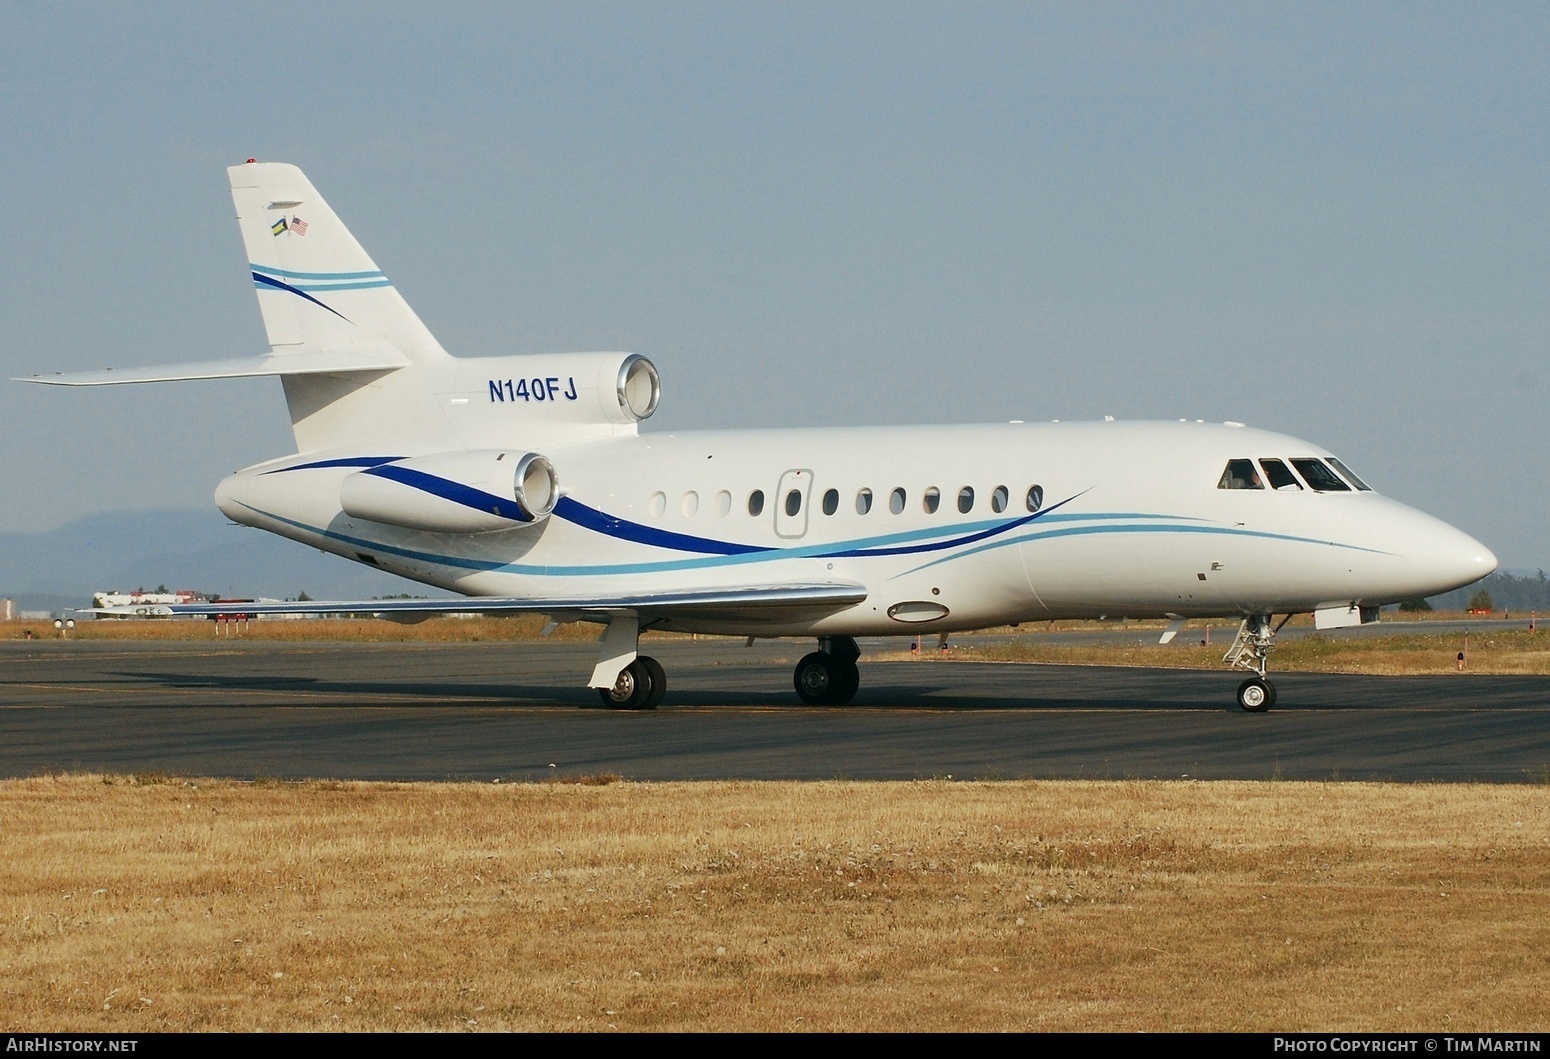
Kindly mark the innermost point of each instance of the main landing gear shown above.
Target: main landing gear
(627, 681)
(828, 676)
(639, 686)
(1250, 651)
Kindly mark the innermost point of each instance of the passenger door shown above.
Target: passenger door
(791, 503)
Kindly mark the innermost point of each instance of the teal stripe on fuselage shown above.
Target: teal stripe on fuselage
(810, 551)
(1075, 531)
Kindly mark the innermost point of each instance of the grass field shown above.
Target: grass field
(132, 904)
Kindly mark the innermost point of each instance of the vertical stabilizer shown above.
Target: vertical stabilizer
(321, 293)
(317, 288)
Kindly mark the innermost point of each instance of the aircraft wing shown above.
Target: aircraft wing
(747, 601)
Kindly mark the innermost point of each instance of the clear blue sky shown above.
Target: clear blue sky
(1329, 220)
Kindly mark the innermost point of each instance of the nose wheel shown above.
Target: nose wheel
(1256, 695)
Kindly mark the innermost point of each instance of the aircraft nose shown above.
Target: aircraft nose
(1442, 557)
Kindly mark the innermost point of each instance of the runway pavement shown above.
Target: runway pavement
(517, 712)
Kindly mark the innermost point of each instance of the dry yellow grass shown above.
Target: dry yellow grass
(135, 906)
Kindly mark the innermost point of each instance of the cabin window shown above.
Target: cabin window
(966, 499)
(723, 503)
(931, 500)
(863, 501)
(831, 501)
(756, 502)
(1346, 471)
(1280, 475)
(998, 498)
(896, 501)
(1320, 477)
(690, 504)
(1035, 499)
(1240, 474)
(657, 504)
(793, 501)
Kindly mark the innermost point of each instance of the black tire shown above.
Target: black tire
(631, 691)
(658, 682)
(845, 689)
(1256, 695)
(816, 677)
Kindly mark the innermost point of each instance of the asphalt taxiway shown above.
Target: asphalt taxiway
(516, 712)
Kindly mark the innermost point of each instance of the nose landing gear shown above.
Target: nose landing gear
(1251, 651)
(828, 676)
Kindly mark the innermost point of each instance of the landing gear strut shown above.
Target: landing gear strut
(1251, 650)
(828, 676)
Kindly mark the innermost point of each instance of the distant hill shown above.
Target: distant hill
(180, 549)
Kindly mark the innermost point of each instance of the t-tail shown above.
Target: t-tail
(318, 289)
(362, 374)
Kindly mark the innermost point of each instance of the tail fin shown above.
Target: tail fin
(321, 294)
(317, 288)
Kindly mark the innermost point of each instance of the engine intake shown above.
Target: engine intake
(455, 492)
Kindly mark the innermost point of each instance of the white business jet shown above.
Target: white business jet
(525, 483)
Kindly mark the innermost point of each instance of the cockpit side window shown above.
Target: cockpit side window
(1280, 475)
(1320, 477)
(1240, 474)
(1346, 472)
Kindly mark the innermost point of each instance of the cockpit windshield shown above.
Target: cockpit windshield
(1319, 477)
(1315, 471)
(1280, 475)
(1346, 472)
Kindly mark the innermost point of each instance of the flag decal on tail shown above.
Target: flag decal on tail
(279, 226)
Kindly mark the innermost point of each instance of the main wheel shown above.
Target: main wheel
(632, 690)
(1256, 695)
(816, 678)
(658, 682)
(845, 689)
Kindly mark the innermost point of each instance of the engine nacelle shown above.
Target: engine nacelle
(454, 492)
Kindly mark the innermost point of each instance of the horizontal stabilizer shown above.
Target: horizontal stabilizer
(777, 599)
(309, 363)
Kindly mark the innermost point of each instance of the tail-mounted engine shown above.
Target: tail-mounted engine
(454, 492)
